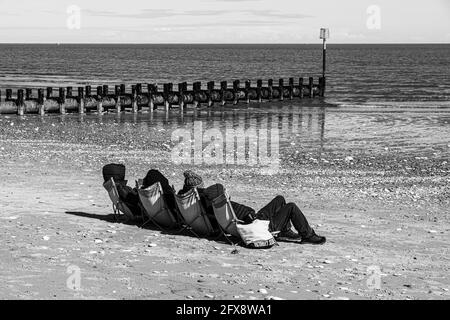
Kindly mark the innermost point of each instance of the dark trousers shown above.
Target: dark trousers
(282, 214)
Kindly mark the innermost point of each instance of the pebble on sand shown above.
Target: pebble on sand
(273, 298)
(263, 291)
(46, 238)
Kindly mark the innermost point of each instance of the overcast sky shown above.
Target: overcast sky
(226, 21)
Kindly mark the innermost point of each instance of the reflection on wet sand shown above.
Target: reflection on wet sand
(317, 130)
(290, 121)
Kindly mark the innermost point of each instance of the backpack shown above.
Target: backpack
(256, 235)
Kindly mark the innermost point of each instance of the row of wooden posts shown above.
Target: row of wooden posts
(25, 102)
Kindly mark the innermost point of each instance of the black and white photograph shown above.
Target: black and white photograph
(238, 152)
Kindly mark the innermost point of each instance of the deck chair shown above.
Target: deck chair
(118, 205)
(155, 207)
(194, 214)
(226, 217)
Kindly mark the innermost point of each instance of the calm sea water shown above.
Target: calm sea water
(370, 75)
(394, 100)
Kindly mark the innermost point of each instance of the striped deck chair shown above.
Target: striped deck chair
(225, 215)
(155, 207)
(194, 214)
(118, 205)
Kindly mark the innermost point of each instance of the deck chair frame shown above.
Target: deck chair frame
(219, 201)
(188, 224)
(148, 216)
(117, 204)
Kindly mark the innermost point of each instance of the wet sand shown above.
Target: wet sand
(375, 183)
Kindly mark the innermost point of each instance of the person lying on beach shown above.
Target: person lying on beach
(281, 215)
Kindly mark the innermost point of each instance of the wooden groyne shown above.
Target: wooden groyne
(40, 101)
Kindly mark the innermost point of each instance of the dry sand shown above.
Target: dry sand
(56, 218)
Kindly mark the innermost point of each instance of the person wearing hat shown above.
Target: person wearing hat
(281, 215)
(207, 195)
(191, 180)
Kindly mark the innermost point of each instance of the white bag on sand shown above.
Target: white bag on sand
(256, 234)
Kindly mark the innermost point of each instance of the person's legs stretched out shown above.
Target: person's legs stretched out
(282, 216)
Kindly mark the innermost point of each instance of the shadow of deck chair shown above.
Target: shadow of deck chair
(155, 208)
(226, 217)
(118, 205)
(193, 213)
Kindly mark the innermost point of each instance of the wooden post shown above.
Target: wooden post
(311, 87)
(100, 99)
(166, 97)
(88, 91)
(80, 100)
(223, 89)
(8, 94)
(281, 89)
(322, 86)
(139, 88)
(270, 85)
(210, 87)
(138, 93)
(69, 92)
(19, 102)
(41, 101)
(62, 101)
(28, 93)
(49, 92)
(181, 93)
(134, 105)
(248, 85)
(170, 93)
(324, 35)
(196, 86)
(117, 91)
(150, 92)
(122, 89)
(236, 87)
(291, 88)
(259, 90)
(105, 90)
(300, 81)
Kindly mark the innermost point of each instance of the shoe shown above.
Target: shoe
(314, 239)
(289, 234)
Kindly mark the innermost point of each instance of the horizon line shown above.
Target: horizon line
(227, 43)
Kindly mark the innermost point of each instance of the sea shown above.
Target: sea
(380, 98)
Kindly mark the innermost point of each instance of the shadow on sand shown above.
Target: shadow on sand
(219, 237)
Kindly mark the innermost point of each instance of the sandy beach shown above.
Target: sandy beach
(385, 213)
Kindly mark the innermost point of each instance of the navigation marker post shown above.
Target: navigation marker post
(324, 35)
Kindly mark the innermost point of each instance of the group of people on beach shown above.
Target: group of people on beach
(282, 215)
